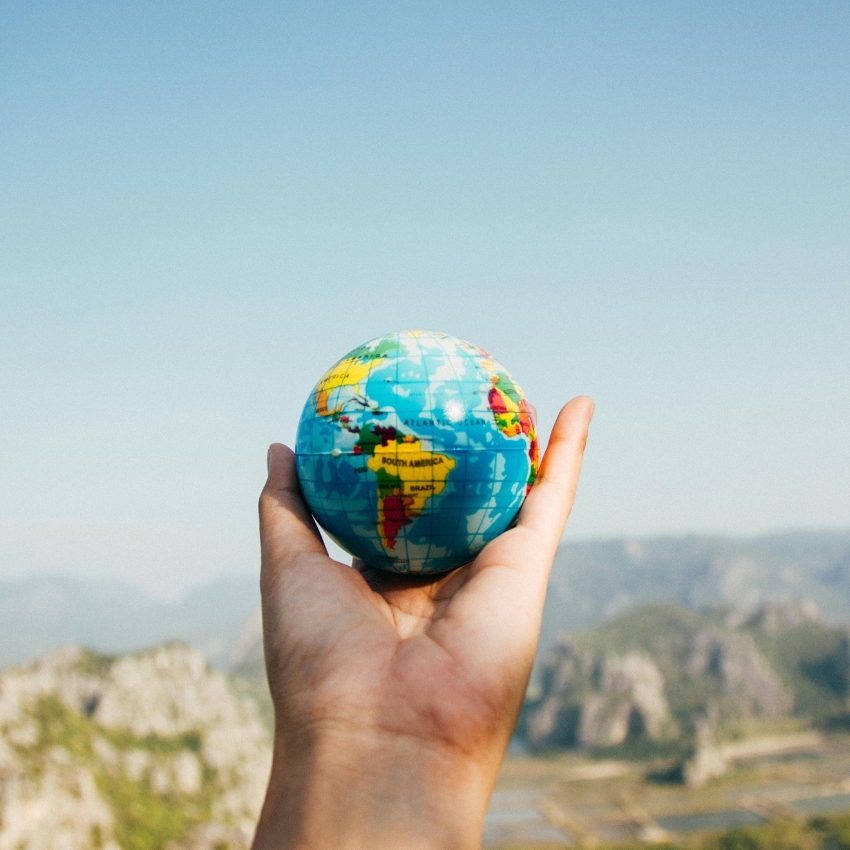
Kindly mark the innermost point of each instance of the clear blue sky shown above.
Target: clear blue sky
(203, 205)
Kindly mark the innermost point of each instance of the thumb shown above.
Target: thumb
(287, 529)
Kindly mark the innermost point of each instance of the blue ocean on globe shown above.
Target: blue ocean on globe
(415, 450)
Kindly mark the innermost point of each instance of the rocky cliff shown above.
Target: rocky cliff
(142, 752)
(664, 673)
(597, 701)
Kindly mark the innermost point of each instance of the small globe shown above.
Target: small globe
(415, 450)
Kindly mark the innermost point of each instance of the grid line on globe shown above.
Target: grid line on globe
(415, 450)
(463, 481)
(428, 514)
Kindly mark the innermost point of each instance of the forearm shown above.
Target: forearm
(347, 793)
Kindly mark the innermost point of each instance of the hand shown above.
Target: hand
(396, 696)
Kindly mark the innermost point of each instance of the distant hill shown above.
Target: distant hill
(41, 613)
(591, 582)
(664, 673)
(596, 580)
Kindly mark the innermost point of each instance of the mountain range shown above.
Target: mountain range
(38, 614)
(591, 582)
(596, 580)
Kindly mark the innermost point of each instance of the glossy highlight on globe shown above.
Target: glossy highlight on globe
(415, 450)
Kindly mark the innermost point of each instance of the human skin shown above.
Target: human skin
(395, 697)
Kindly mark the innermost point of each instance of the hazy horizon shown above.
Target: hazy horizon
(176, 594)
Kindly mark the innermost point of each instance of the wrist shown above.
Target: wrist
(359, 790)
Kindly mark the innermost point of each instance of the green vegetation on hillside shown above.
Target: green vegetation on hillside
(811, 659)
(146, 818)
(665, 631)
(653, 681)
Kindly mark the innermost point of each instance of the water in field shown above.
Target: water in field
(709, 821)
(514, 816)
(566, 800)
(823, 805)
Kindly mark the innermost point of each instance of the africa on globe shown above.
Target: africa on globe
(415, 450)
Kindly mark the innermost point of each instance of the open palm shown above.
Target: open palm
(433, 663)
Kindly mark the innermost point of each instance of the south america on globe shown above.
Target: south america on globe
(415, 450)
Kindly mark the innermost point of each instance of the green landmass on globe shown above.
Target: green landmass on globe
(415, 450)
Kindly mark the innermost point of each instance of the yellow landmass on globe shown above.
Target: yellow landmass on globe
(407, 477)
(350, 372)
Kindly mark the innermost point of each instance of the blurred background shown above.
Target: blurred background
(204, 206)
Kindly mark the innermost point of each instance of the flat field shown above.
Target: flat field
(568, 800)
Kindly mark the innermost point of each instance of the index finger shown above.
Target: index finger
(501, 605)
(550, 501)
